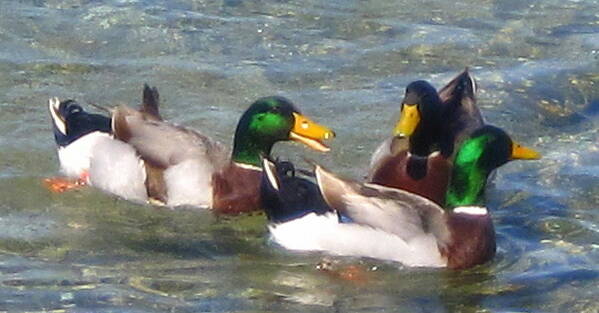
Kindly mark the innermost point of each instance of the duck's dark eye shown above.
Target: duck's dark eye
(275, 109)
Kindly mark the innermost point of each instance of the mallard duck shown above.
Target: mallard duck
(178, 166)
(77, 133)
(394, 224)
(418, 157)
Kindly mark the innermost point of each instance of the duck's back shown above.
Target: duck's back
(165, 144)
(179, 162)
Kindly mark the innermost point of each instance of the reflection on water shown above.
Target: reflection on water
(346, 64)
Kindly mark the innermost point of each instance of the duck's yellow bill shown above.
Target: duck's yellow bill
(310, 133)
(520, 152)
(408, 120)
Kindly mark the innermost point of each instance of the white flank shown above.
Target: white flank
(75, 158)
(471, 210)
(324, 233)
(115, 168)
(189, 183)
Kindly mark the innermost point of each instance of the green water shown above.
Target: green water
(345, 64)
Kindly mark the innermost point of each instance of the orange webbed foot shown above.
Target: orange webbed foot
(353, 273)
(63, 184)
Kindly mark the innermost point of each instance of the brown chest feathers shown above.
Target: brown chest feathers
(427, 177)
(472, 240)
(236, 190)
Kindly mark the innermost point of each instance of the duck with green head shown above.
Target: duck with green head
(179, 166)
(418, 157)
(394, 224)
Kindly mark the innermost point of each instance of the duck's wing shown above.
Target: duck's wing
(164, 144)
(459, 107)
(393, 210)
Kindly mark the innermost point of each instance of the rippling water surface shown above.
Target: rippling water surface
(345, 63)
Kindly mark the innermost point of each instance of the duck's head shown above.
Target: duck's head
(70, 122)
(485, 150)
(273, 119)
(420, 117)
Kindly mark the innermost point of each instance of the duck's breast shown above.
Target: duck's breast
(236, 189)
(472, 240)
(427, 177)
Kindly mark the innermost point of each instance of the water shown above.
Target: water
(345, 64)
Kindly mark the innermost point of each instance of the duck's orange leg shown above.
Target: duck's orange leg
(356, 274)
(63, 184)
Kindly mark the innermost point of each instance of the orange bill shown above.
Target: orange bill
(520, 152)
(310, 133)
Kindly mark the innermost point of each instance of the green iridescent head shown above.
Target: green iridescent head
(486, 149)
(273, 119)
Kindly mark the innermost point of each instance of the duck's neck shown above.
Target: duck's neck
(467, 185)
(249, 150)
(426, 139)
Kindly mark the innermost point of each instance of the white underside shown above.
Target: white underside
(115, 168)
(324, 233)
(189, 183)
(75, 158)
